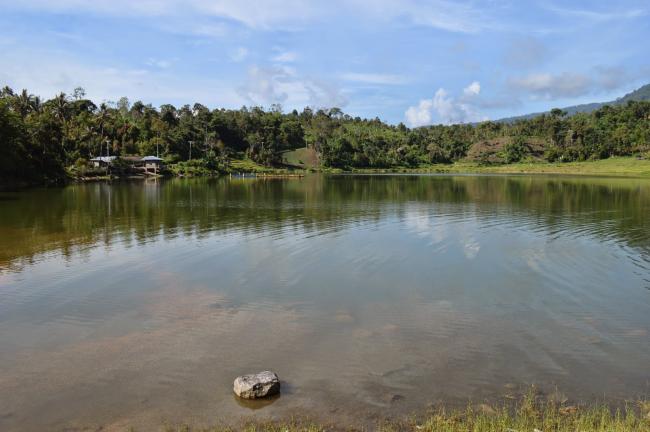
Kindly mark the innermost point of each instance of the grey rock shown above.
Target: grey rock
(255, 386)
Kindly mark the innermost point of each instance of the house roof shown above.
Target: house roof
(104, 159)
(151, 159)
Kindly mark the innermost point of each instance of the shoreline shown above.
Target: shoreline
(617, 167)
(531, 413)
(626, 167)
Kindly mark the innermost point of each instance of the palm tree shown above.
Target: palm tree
(37, 104)
(101, 120)
(6, 91)
(61, 110)
(25, 103)
(61, 107)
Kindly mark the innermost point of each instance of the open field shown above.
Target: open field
(249, 166)
(617, 167)
(305, 158)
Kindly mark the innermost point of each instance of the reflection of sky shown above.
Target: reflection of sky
(458, 297)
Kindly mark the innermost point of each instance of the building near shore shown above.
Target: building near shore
(148, 163)
(103, 161)
(152, 164)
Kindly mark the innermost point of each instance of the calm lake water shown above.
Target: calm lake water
(137, 304)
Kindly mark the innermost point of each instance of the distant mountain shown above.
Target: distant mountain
(640, 94)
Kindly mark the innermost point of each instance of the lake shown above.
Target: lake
(137, 304)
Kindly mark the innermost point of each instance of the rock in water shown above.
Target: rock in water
(257, 385)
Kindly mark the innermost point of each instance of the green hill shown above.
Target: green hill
(305, 158)
(640, 94)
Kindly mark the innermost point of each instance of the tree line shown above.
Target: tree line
(40, 139)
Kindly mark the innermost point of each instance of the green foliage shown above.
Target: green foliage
(39, 138)
(516, 150)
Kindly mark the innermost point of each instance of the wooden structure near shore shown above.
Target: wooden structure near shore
(152, 165)
(267, 175)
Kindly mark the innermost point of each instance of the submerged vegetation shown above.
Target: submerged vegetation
(527, 416)
(47, 141)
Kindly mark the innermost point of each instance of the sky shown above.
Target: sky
(411, 61)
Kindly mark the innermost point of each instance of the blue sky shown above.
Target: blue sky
(417, 62)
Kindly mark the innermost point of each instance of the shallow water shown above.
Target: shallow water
(137, 304)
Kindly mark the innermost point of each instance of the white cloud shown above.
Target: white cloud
(159, 63)
(461, 17)
(548, 86)
(596, 16)
(473, 89)
(373, 78)
(455, 16)
(564, 85)
(419, 115)
(239, 54)
(449, 110)
(266, 14)
(99, 7)
(283, 85)
(210, 30)
(285, 57)
(614, 77)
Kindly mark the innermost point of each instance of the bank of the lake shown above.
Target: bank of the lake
(632, 167)
(529, 414)
(612, 167)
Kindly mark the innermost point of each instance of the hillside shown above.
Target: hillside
(640, 94)
(493, 151)
(304, 158)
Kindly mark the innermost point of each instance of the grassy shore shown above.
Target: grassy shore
(529, 415)
(615, 167)
(612, 167)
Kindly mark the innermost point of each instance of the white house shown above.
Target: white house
(103, 161)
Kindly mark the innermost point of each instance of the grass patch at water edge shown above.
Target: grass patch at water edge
(612, 167)
(528, 415)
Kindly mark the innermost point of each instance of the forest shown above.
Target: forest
(41, 140)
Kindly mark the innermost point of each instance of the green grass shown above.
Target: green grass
(617, 166)
(305, 158)
(193, 168)
(249, 166)
(529, 415)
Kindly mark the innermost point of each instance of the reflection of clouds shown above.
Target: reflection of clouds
(468, 240)
(534, 257)
(471, 248)
(440, 229)
(421, 222)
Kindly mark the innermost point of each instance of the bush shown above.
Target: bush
(516, 150)
(553, 154)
